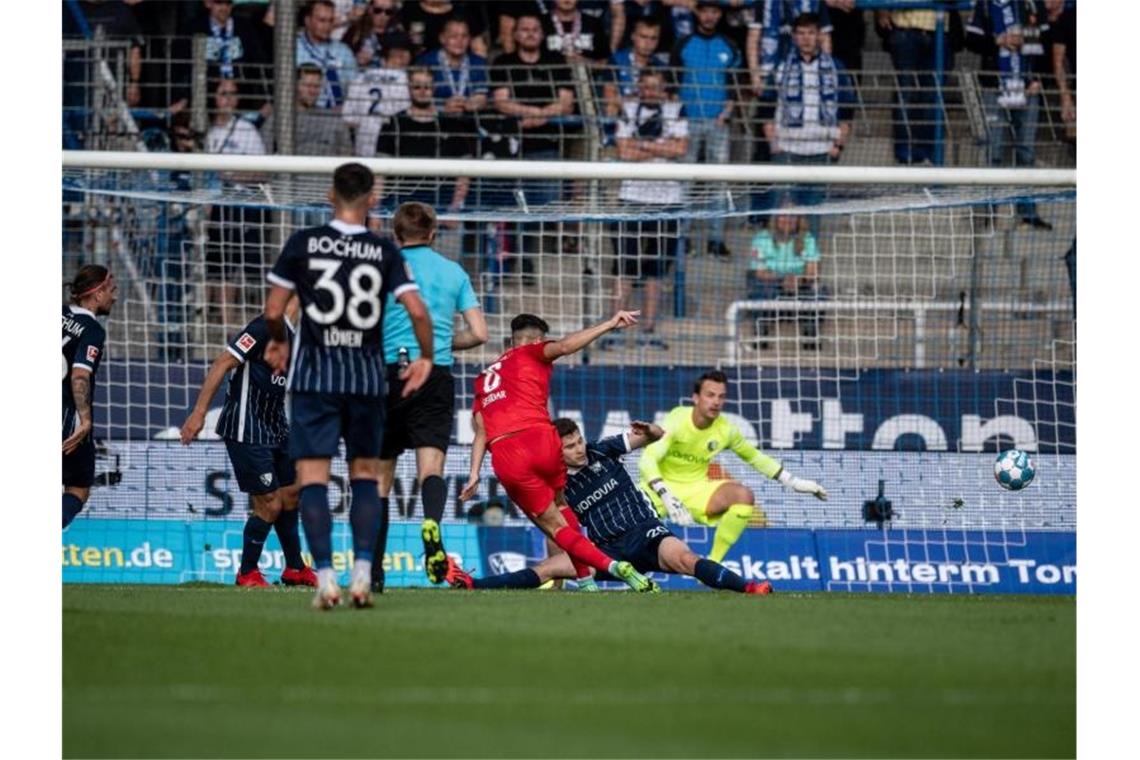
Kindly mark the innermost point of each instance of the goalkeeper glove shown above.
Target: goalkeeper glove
(802, 485)
(677, 512)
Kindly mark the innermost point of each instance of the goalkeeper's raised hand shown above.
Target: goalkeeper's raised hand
(673, 506)
(802, 485)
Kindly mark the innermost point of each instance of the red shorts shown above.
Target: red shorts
(530, 467)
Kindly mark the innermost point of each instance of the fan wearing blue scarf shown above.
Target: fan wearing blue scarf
(813, 93)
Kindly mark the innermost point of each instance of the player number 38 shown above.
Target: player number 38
(364, 285)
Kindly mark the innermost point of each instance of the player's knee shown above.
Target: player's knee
(744, 495)
(267, 506)
(741, 511)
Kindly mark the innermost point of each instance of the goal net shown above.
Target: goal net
(884, 332)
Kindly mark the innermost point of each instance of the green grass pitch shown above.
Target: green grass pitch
(214, 671)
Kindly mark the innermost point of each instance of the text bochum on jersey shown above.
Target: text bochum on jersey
(343, 274)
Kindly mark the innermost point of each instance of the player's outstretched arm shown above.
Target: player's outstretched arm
(196, 420)
(478, 451)
(575, 342)
(416, 373)
(643, 433)
(476, 333)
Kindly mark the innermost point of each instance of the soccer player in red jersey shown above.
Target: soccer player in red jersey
(512, 421)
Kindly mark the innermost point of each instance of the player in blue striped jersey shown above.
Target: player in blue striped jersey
(619, 518)
(256, 432)
(342, 274)
(93, 293)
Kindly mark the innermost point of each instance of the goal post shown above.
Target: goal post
(893, 325)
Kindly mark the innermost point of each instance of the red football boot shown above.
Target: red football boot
(456, 577)
(758, 587)
(303, 577)
(252, 579)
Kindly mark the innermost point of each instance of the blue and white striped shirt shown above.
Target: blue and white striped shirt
(607, 501)
(342, 273)
(254, 411)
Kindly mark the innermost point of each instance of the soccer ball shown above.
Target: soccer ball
(1014, 470)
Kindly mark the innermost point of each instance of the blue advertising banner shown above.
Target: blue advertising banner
(910, 561)
(172, 551)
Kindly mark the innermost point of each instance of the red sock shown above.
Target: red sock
(581, 549)
(581, 569)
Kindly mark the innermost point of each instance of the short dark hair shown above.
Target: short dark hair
(714, 375)
(648, 21)
(806, 19)
(565, 426)
(309, 68)
(311, 5)
(413, 221)
(352, 181)
(529, 322)
(86, 280)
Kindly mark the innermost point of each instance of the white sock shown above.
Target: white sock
(362, 568)
(326, 576)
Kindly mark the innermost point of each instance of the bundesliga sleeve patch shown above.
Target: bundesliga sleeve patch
(246, 342)
(92, 353)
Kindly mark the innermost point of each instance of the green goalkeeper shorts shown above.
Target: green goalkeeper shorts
(694, 495)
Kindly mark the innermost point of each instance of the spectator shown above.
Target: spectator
(909, 37)
(1061, 50)
(580, 38)
(424, 131)
(460, 75)
(117, 20)
(707, 60)
(316, 131)
(379, 94)
(424, 22)
(1006, 34)
(652, 128)
(347, 12)
(233, 249)
(627, 64)
(625, 14)
(784, 263)
(507, 13)
(228, 132)
(366, 35)
(533, 85)
(848, 32)
(234, 51)
(335, 59)
(813, 108)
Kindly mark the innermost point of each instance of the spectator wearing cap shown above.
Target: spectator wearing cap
(379, 94)
(460, 74)
(707, 60)
(335, 59)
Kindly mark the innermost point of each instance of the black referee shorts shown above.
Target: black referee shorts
(422, 419)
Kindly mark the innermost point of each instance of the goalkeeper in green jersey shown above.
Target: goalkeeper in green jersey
(674, 470)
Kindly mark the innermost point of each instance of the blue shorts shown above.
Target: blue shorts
(319, 420)
(639, 545)
(261, 469)
(79, 465)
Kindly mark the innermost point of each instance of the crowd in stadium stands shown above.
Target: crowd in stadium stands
(663, 80)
